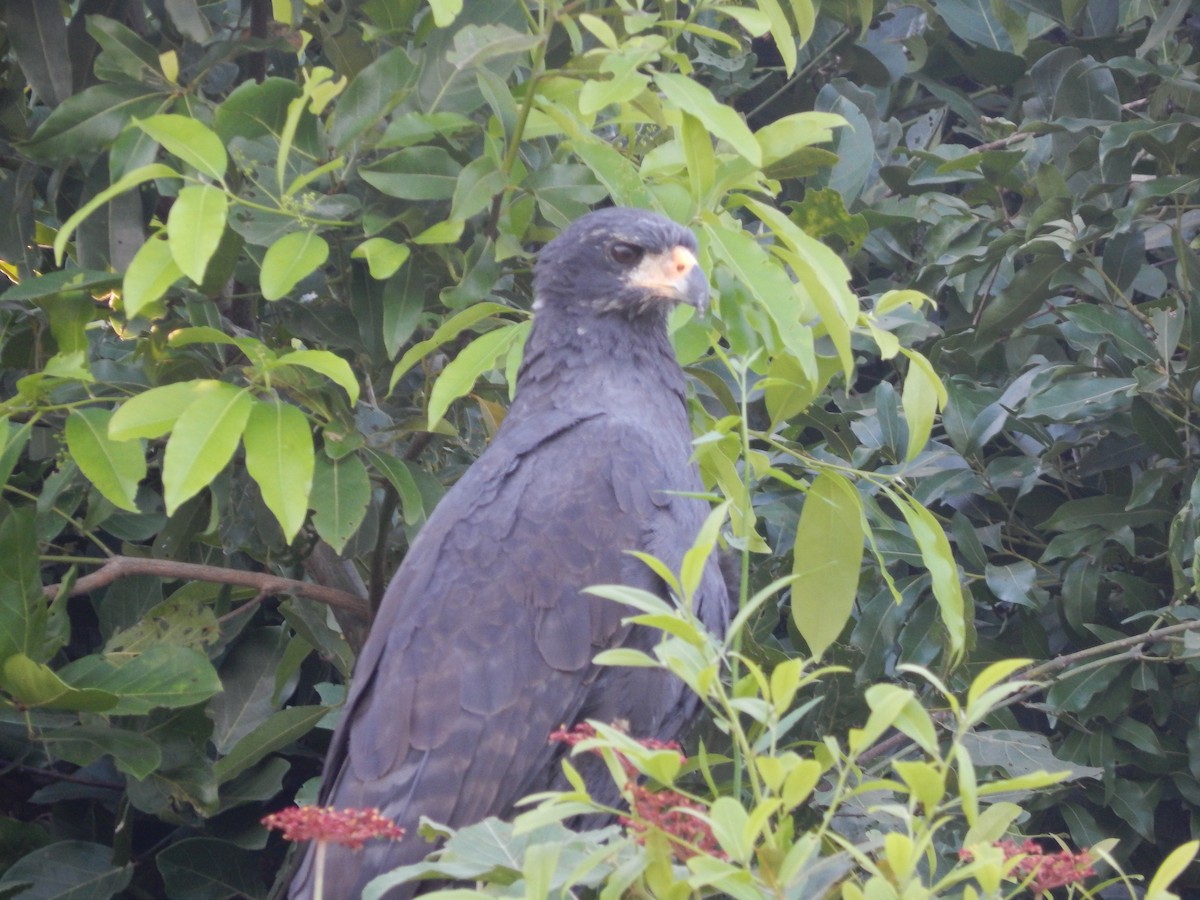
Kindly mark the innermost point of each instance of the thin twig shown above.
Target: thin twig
(1048, 668)
(264, 582)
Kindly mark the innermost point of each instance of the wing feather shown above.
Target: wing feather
(469, 667)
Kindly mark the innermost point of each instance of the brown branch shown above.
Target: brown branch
(264, 582)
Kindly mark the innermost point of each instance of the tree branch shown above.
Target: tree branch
(1050, 668)
(264, 582)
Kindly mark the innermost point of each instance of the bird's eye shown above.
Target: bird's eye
(626, 254)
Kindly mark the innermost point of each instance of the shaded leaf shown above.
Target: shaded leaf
(68, 870)
(340, 493)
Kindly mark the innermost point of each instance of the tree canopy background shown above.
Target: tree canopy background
(267, 283)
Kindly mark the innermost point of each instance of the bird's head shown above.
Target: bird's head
(620, 261)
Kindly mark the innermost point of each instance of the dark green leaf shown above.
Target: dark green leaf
(68, 870)
(166, 675)
(277, 731)
(86, 123)
(340, 494)
(415, 173)
(209, 869)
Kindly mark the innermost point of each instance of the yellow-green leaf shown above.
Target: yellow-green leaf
(114, 467)
(939, 560)
(826, 560)
(195, 226)
(924, 394)
(722, 120)
(292, 257)
(151, 271)
(37, 686)
(460, 375)
(203, 440)
(153, 413)
(384, 258)
(328, 364)
(189, 139)
(279, 457)
(1171, 868)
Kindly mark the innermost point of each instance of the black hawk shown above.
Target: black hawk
(483, 643)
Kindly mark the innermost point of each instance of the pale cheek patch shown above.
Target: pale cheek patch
(664, 270)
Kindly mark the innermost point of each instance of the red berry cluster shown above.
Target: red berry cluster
(1048, 870)
(349, 827)
(666, 811)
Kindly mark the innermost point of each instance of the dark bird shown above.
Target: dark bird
(483, 643)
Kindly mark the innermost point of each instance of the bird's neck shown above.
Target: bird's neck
(593, 361)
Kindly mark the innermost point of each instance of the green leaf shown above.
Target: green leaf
(781, 32)
(1170, 869)
(203, 440)
(37, 33)
(924, 394)
(461, 373)
(37, 686)
(153, 413)
(722, 120)
(326, 363)
(254, 110)
(87, 122)
(120, 186)
(768, 283)
(415, 173)
(479, 181)
(974, 22)
(68, 870)
(166, 675)
(205, 868)
(371, 95)
(248, 676)
(24, 614)
(279, 457)
(150, 273)
(190, 140)
(195, 226)
(403, 303)
(397, 473)
(291, 258)
(939, 560)
(340, 494)
(1074, 399)
(826, 560)
(114, 467)
(695, 560)
(123, 55)
(445, 11)
(384, 258)
(13, 438)
(821, 273)
(447, 331)
(279, 730)
(619, 176)
(729, 820)
(782, 138)
(132, 753)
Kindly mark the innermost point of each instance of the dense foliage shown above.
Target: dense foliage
(267, 282)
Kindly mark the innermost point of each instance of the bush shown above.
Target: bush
(269, 285)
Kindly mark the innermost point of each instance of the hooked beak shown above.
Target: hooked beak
(675, 276)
